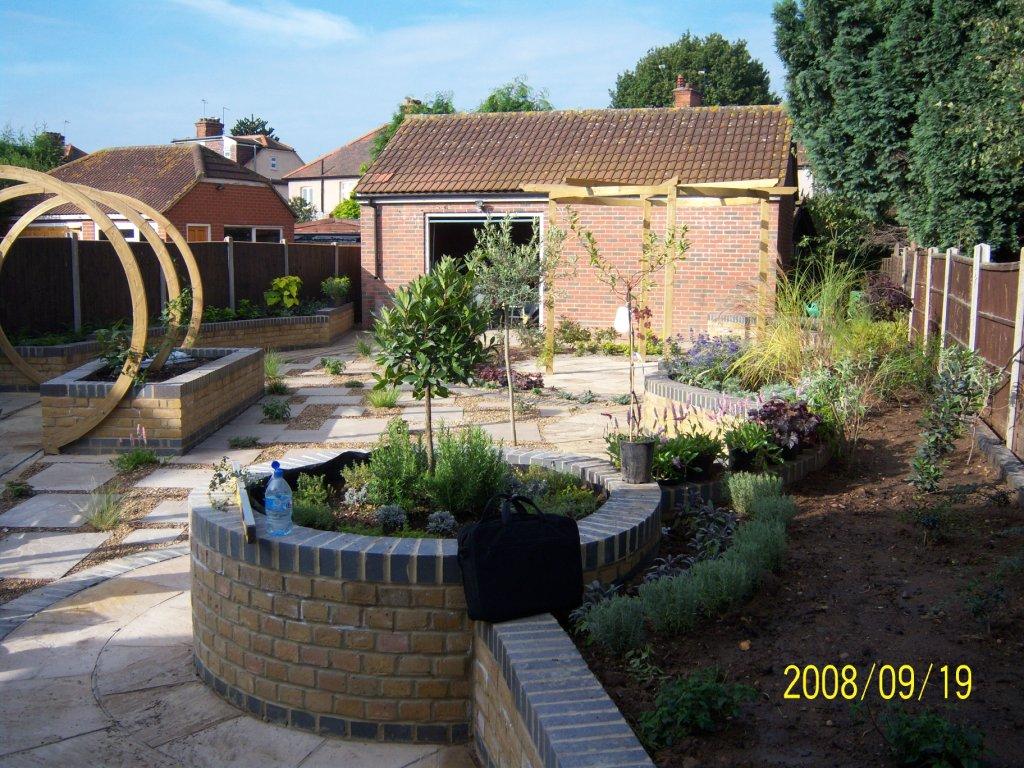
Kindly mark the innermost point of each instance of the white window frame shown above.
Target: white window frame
(130, 232)
(306, 193)
(207, 227)
(252, 231)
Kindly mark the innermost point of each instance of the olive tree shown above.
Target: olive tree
(431, 337)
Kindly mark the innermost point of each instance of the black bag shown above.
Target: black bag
(516, 563)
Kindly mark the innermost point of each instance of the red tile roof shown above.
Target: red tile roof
(263, 141)
(500, 152)
(328, 226)
(345, 161)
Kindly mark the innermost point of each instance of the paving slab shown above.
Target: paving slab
(29, 712)
(349, 411)
(169, 512)
(176, 477)
(47, 510)
(323, 391)
(123, 668)
(100, 748)
(72, 476)
(45, 554)
(265, 433)
(526, 431)
(334, 400)
(213, 449)
(157, 716)
(13, 461)
(335, 753)
(305, 435)
(361, 429)
(244, 742)
(78, 458)
(152, 536)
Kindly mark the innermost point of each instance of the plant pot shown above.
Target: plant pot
(636, 460)
(742, 461)
(701, 469)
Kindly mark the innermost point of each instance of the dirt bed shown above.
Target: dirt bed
(867, 581)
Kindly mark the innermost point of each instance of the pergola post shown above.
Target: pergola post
(645, 232)
(549, 303)
(762, 266)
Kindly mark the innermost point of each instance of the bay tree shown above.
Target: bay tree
(431, 337)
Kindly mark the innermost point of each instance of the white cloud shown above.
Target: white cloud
(278, 21)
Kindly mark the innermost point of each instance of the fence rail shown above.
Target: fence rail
(59, 283)
(971, 301)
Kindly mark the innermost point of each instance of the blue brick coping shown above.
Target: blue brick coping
(567, 713)
(628, 522)
(706, 399)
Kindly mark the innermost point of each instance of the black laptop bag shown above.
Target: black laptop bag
(518, 561)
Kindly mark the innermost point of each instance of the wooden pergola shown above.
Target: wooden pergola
(672, 195)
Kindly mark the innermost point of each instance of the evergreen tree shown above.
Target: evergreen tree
(516, 96)
(252, 126)
(439, 104)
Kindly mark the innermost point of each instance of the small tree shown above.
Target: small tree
(431, 337)
(627, 281)
(346, 209)
(40, 151)
(439, 104)
(252, 126)
(516, 96)
(303, 209)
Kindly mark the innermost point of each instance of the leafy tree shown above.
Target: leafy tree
(724, 71)
(41, 151)
(346, 209)
(252, 126)
(516, 96)
(303, 209)
(439, 104)
(431, 337)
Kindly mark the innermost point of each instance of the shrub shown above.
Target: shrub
(357, 475)
(397, 468)
(311, 489)
(700, 703)
(573, 501)
(133, 459)
(746, 487)
(336, 288)
(276, 387)
(103, 511)
(391, 518)
(687, 456)
(570, 335)
(332, 365)
(442, 524)
(617, 625)
(383, 398)
(115, 345)
(363, 348)
(346, 209)
(772, 508)
(792, 425)
(721, 584)
(354, 384)
(283, 292)
(759, 544)
(885, 299)
(243, 441)
(930, 740)
(713, 531)
(277, 410)
(313, 515)
(469, 469)
(708, 363)
(671, 604)
(489, 373)
(751, 446)
(272, 362)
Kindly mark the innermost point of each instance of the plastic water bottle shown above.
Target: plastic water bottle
(277, 501)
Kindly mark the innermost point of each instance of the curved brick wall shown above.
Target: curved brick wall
(368, 637)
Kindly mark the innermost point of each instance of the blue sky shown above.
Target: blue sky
(132, 72)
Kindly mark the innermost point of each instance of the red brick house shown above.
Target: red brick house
(441, 176)
(204, 194)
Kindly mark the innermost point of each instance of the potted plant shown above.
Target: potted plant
(792, 425)
(336, 289)
(687, 457)
(751, 447)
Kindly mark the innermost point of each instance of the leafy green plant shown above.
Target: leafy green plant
(397, 468)
(115, 349)
(103, 511)
(311, 489)
(311, 515)
(357, 475)
(277, 410)
(354, 384)
(722, 583)
(134, 459)
(272, 362)
(431, 337)
(283, 292)
(671, 604)
(928, 740)
(17, 489)
(363, 348)
(391, 518)
(616, 625)
(746, 487)
(243, 441)
(346, 209)
(469, 470)
(276, 387)
(621, 399)
(760, 544)
(772, 508)
(336, 288)
(442, 524)
(332, 365)
(751, 446)
(687, 456)
(641, 666)
(700, 703)
(383, 398)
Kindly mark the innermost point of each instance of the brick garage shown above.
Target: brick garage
(488, 165)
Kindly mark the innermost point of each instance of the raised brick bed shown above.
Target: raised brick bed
(368, 637)
(176, 414)
(51, 361)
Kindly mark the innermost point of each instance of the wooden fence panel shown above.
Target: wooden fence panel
(36, 291)
(212, 259)
(313, 263)
(350, 263)
(256, 264)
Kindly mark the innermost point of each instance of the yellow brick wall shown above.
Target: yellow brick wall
(496, 721)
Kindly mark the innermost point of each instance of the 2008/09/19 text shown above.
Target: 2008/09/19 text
(886, 681)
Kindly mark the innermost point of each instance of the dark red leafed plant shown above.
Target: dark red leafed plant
(792, 425)
(522, 382)
(885, 298)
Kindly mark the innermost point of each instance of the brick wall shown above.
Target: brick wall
(232, 205)
(280, 333)
(50, 361)
(719, 276)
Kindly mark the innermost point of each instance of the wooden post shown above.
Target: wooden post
(231, 271)
(287, 269)
(76, 285)
(913, 292)
(903, 268)
(335, 258)
(980, 253)
(1015, 363)
(930, 255)
(670, 277)
(762, 268)
(549, 304)
(951, 254)
(645, 231)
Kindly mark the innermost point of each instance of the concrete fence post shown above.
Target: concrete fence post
(951, 254)
(903, 267)
(1015, 362)
(231, 271)
(930, 256)
(76, 285)
(286, 265)
(981, 253)
(336, 258)
(913, 292)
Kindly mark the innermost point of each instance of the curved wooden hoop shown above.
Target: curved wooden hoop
(35, 182)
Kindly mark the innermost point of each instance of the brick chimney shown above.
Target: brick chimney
(209, 126)
(685, 95)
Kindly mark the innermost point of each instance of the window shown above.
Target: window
(273, 162)
(306, 193)
(267, 235)
(241, 234)
(254, 234)
(197, 233)
(130, 233)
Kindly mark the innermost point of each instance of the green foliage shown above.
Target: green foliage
(319, 516)
(912, 109)
(346, 209)
(760, 544)
(115, 345)
(332, 365)
(746, 487)
(354, 384)
(701, 703)
(336, 288)
(670, 604)
(303, 210)
(397, 468)
(842, 231)
(41, 151)
(516, 96)
(469, 470)
(252, 126)
(17, 489)
(439, 104)
(277, 410)
(383, 398)
(616, 625)
(311, 489)
(687, 456)
(357, 475)
(133, 459)
(276, 387)
(283, 292)
(363, 348)
(243, 441)
(103, 511)
(772, 508)
(928, 740)
(723, 71)
(722, 583)
(391, 519)
(751, 446)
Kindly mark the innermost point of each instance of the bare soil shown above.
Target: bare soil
(865, 583)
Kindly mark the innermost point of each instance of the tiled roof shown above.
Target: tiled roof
(328, 226)
(264, 141)
(500, 152)
(158, 175)
(344, 161)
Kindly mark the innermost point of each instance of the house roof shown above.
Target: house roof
(158, 175)
(71, 152)
(264, 141)
(345, 161)
(328, 226)
(501, 152)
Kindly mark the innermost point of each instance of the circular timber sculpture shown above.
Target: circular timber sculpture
(92, 203)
